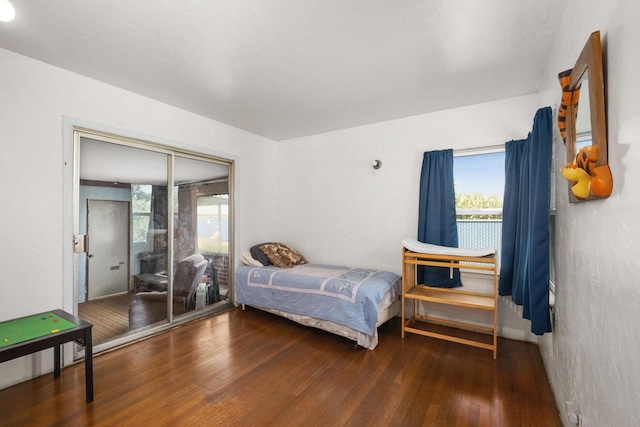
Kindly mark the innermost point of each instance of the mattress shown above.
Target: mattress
(325, 296)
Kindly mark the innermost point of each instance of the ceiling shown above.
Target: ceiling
(290, 68)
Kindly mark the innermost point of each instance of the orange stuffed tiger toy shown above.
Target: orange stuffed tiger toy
(589, 178)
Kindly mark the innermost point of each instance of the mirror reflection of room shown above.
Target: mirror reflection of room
(174, 239)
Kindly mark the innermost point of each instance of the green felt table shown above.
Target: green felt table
(31, 327)
(29, 334)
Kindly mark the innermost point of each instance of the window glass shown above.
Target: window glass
(479, 187)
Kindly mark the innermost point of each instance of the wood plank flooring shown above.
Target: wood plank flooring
(252, 368)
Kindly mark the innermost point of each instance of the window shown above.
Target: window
(141, 211)
(478, 178)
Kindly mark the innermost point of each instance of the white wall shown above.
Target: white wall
(593, 357)
(334, 208)
(35, 97)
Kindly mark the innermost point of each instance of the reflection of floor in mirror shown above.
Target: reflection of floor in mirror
(109, 316)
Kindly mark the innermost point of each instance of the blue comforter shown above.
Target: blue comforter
(343, 295)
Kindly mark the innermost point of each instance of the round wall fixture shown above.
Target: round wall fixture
(7, 12)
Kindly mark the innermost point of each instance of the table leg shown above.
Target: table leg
(88, 364)
(56, 361)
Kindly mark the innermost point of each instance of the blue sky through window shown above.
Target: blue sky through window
(482, 173)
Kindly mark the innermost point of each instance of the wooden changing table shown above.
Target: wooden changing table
(452, 297)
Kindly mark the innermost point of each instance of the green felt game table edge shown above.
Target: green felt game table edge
(17, 331)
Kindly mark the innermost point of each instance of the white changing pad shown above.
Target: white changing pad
(428, 248)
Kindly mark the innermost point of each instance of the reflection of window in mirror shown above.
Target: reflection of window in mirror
(583, 119)
(140, 212)
(213, 223)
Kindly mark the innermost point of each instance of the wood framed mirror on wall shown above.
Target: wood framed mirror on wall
(582, 121)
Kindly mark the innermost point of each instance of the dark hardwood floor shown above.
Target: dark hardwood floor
(252, 368)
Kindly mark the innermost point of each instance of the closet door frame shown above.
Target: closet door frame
(75, 129)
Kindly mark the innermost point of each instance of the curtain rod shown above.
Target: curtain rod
(487, 149)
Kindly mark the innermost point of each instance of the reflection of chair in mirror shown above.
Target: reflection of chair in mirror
(151, 307)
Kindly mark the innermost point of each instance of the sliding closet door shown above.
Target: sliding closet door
(115, 173)
(201, 233)
(179, 228)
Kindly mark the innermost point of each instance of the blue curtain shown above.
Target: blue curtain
(437, 215)
(524, 272)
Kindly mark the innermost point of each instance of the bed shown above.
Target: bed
(350, 302)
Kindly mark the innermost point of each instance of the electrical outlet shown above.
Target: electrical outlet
(572, 413)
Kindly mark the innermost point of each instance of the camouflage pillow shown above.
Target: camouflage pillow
(258, 254)
(282, 255)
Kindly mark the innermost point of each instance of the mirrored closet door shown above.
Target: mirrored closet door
(157, 224)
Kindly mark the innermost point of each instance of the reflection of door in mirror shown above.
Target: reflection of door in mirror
(108, 262)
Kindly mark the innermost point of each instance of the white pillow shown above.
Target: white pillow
(249, 260)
